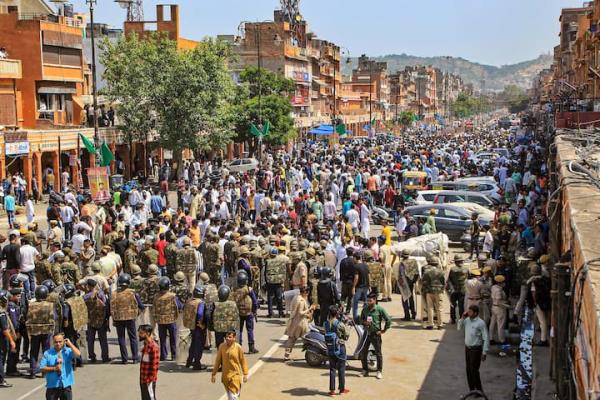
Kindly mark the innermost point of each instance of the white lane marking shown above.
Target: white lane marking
(32, 391)
(259, 363)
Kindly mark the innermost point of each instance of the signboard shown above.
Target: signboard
(99, 185)
(72, 160)
(16, 148)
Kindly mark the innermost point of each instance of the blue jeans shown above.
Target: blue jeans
(29, 285)
(360, 294)
(338, 364)
(11, 217)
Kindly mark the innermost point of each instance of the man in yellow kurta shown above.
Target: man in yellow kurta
(230, 358)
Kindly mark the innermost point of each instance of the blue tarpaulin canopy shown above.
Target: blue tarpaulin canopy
(324, 130)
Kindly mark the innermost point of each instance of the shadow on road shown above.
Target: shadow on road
(447, 371)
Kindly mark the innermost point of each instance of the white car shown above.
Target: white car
(242, 165)
(425, 196)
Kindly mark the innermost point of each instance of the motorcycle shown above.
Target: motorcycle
(379, 215)
(315, 349)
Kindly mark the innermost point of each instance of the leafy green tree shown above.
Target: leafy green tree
(406, 118)
(515, 98)
(274, 107)
(194, 98)
(185, 96)
(130, 82)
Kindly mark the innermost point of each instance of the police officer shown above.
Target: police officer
(15, 317)
(55, 298)
(43, 268)
(485, 305)
(243, 263)
(137, 281)
(408, 274)
(180, 287)
(247, 304)
(7, 336)
(125, 305)
(194, 319)
(499, 308)
(16, 283)
(187, 262)
(456, 287)
(41, 319)
(96, 303)
(376, 272)
(148, 293)
(327, 294)
(130, 257)
(75, 316)
(275, 271)
(166, 310)
(171, 255)
(225, 316)
(149, 256)
(434, 282)
(213, 259)
(473, 287)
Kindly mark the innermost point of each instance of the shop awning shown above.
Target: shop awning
(56, 89)
(325, 130)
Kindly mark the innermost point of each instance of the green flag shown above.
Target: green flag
(340, 129)
(373, 122)
(107, 155)
(254, 131)
(266, 129)
(89, 146)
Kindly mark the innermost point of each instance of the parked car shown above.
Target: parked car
(425, 196)
(456, 196)
(449, 219)
(484, 213)
(484, 185)
(242, 165)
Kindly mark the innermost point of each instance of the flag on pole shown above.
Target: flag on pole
(254, 130)
(340, 129)
(89, 146)
(266, 129)
(107, 155)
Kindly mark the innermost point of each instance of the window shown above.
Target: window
(236, 162)
(452, 214)
(429, 197)
(61, 55)
(51, 102)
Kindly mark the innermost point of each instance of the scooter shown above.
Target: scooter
(315, 349)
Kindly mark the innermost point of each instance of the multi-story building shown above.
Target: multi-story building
(167, 22)
(43, 59)
(326, 77)
(281, 49)
(370, 80)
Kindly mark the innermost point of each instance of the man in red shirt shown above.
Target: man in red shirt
(160, 246)
(149, 363)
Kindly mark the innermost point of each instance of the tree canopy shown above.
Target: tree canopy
(274, 107)
(184, 95)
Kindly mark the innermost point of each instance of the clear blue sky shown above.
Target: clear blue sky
(487, 31)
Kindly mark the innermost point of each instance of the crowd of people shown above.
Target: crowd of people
(293, 239)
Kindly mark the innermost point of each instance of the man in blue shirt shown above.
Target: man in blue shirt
(57, 365)
(477, 344)
(9, 206)
(156, 204)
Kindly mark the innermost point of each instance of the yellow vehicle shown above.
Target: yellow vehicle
(415, 180)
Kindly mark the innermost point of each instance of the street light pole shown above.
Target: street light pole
(94, 83)
(370, 93)
(257, 37)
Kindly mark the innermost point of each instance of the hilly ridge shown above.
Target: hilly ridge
(491, 77)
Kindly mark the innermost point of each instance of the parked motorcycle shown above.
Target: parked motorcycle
(315, 349)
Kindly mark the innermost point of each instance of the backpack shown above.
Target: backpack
(332, 341)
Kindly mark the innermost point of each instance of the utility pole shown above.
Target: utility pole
(257, 37)
(94, 84)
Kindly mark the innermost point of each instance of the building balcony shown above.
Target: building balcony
(297, 53)
(67, 73)
(10, 69)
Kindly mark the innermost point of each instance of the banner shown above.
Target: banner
(99, 185)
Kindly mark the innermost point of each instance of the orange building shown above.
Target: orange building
(167, 22)
(50, 50)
